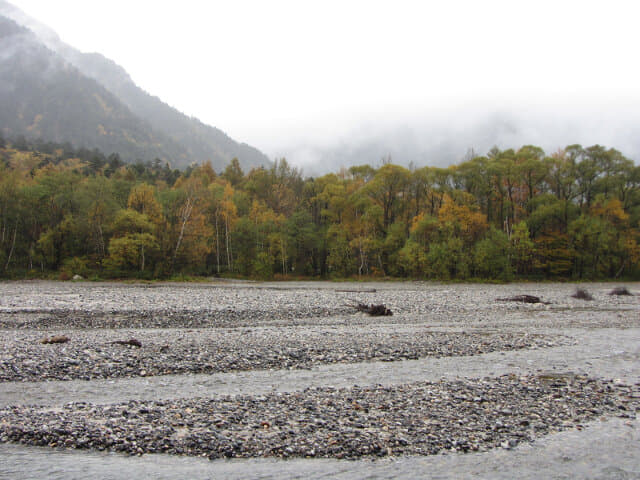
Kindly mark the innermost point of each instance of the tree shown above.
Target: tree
(448, 259)
(340, 260)
(229, 214)
(305, 241)
(587, 172)
(386, 189)
(522, 248)
(143, 200)
(233, 173)
(474, 177)
(133, 243)
(561, 178)
(463, 221)
(533, 170)
(131, 251)
(10, 214)
(222, 213)
(491, 256)
(188, 229)
(99, 212)
(573, 214)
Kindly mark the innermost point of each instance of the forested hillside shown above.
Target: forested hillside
(51, 91)
(573, 214)
(42, 96)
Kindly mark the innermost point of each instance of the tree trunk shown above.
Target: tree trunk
(100, 241)
(363, 257)
(226, 240)
(185, 213)
(13, 244)
(217, 244)
(284, 259)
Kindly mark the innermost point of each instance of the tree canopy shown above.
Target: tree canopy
(509, 214)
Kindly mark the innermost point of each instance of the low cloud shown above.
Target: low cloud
(447, 136)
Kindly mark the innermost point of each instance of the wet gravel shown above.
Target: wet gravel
(419, 418)
(564, 455)
(267, 333)
(93, 354)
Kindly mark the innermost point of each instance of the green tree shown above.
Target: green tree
(133, 244)
(233, 173)
(386, 189)
(491, 256)
(522, 248)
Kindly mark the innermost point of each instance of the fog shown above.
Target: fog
(333, 84)
(451, 135)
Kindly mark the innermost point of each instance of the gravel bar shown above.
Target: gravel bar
(93, 354)
(569, 454)
(46, 305)
(421, 418)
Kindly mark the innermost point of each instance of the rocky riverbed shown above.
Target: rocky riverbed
(91, 354)
(46, 305)
(454, 369)
(419, 418)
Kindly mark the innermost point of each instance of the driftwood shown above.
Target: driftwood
(582, 294)
(366, 290)
(131, 342)
(620, 291)
(523, 299)
(55, 339)
(373, 310)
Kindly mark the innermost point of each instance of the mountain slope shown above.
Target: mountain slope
(54, 91)
(200, 140)
(43, 96)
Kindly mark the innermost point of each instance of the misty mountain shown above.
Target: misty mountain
(418, 144)
(201, 141)
(43, 96)
(449, 138)
(52, 91)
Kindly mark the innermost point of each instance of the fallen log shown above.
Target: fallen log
(131, 342)
(620, 291)
(55, 339)
(523, 299)
(365, 290)
(582, 294)
(373, 310)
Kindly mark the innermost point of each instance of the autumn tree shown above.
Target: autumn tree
(573, 214)
(133, 244)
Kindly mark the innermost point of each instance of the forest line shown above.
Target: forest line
(573, 214)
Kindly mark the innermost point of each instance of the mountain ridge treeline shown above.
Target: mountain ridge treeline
(509, 214)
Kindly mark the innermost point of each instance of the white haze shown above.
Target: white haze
(448, 136)
(333, 83)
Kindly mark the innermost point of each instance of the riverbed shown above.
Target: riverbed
(458, 382)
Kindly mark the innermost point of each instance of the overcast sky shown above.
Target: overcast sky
(273, 73)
